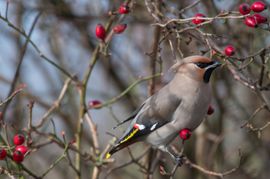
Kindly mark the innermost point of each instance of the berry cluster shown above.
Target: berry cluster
(20, 149)
(255, 19)
(117, 29)
(251, 20)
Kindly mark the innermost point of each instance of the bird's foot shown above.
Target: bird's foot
(179, 160)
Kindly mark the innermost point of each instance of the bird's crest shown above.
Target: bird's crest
(189, 59)
(176, 66)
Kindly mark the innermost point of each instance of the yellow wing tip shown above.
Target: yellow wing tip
(108, 155)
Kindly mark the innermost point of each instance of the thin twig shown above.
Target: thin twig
(260, 82)
(225, 15)
(58, 160)
(27, 37)
(8, 99)
(189, 6)
(128, 163)
(7, 5)
(29, 172)
(21, 58)
(253, 115)
(209, 172)
(257, 129)
(129, 88)
(93, 130)
(7, 172)
(237, 77)
(55, 105)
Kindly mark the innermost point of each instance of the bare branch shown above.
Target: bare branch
(55, 105)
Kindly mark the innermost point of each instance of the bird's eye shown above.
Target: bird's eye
(203, 65)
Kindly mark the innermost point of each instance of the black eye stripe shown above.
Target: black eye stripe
(202, 64)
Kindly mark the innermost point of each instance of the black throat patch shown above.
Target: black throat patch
(207, 75)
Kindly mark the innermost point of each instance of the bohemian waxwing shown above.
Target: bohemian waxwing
(180, 104)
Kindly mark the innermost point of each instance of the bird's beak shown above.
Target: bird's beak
(214, 65)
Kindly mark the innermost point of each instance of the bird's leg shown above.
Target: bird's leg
(179, 159)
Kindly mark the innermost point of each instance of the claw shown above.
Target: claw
(179, 160)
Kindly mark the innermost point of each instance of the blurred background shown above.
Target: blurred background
(63, 33)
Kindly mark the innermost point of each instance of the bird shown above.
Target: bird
(181, 104)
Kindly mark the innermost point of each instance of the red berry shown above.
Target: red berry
(210, 110)
(23, 149)
(244, 9)
(94, 104)
(185, 134)
(18, 139)
(259, 18)
(229, 50)
(123, 9)
(197, 19)
(3, 153)
(251, 21)
(18, 156)
(258, 6)
(118, 29)
(100, 32)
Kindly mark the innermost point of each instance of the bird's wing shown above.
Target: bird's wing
(156, 112)
(132, 116)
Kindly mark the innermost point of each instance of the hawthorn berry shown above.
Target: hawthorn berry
(185, 134)
(210, 110)
(118, 29)
(197, 19)
(3, 153)
(250, 21)
(244, 9)
(94, 104)
(123, 9)
(100, 32)
(229, 50)
(259, 18)
(23, 149)
(18, 139)
(18, 156)
(258, 6)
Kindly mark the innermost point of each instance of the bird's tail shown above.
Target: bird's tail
(129, 138)
(116, 148)
(112, 151)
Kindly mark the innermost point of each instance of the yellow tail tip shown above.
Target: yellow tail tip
(108, 155)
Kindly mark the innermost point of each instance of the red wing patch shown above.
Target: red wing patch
(139, 126)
